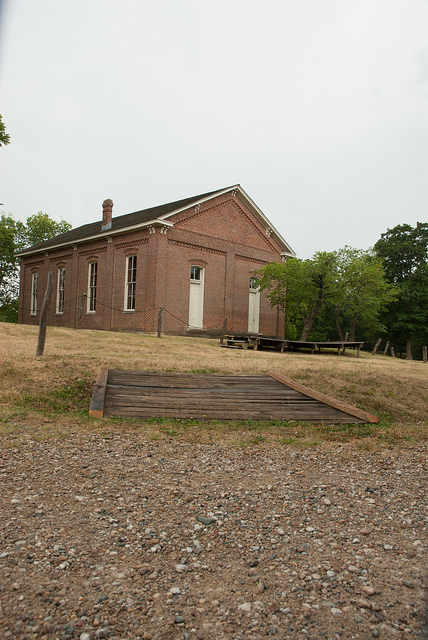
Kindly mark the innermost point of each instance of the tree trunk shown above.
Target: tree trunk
(353, 327)
(409, 349)
(338, 327)
(309, 321)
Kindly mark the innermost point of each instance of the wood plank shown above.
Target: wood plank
(145, 394)
(97, 402)
(337, 404)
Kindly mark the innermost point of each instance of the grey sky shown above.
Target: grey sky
(317, 108)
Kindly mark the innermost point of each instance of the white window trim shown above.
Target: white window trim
(88, 305)
(129, 284)
(60, 290)
(34, 293)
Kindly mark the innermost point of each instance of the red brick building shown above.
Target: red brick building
(196, 258)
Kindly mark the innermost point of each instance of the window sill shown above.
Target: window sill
(129, 311)
(59, 313)
(90, 313)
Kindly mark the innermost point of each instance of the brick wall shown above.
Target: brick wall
(222, 236)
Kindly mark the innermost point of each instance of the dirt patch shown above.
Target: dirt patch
(120, 537)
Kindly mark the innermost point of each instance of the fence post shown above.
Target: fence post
(44, 314)
(376, 347)
(80, 309)
(392, 351)
(223, 331)
(385, 351)
(424, 354)
(159, 322)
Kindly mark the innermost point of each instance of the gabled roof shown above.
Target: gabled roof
(144, 218)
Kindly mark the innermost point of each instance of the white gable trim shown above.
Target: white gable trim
(239, 191)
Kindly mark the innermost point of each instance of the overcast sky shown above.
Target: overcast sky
(318, 108)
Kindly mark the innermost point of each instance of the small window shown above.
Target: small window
(34, 290)
(130, 284)
(60, 291)
(195, 273)
(92, 287)
(254, 283)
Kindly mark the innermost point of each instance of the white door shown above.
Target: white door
(196, 298)
(253, 306)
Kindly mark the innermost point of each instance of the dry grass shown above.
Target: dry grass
(49, 396)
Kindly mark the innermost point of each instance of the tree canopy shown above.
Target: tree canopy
(39, 227)
(4, 137)
(404, 252)
(15, 235)
(347, 285)
(301, 286)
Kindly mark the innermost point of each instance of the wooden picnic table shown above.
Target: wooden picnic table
(314, 344)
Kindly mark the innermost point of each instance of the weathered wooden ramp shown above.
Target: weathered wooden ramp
(146, 394)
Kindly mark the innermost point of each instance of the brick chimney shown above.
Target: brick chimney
(107, 214)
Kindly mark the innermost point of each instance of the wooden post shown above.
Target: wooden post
(385, 351)
(392, 351)
(424, 354)
(159, 322)
(80, 309)
(44, 314)
(223, 331)
(376, 347)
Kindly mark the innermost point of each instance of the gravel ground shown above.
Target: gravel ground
(118, 537)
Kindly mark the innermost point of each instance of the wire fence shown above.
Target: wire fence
(155, 310)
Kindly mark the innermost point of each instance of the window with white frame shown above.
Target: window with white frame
(254, 283)
(195, 273)
(34, 290)
(130, 282)
(92, 287)
(60, 291)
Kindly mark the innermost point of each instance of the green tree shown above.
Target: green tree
(4, 137)
(328, 292)
(301, 287)
(39, 227)
(8, 262)
(364, 291)
(15, 235)
(404, 251)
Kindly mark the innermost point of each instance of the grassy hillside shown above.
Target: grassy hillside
(49, 396)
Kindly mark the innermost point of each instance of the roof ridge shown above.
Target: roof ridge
(120, 222)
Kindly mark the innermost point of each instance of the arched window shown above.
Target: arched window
(195, 273)
(34, 291)
(92, 287)
(254, 282)
(130, 282)
(60, 291)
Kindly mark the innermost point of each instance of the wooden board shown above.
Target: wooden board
(144, 394)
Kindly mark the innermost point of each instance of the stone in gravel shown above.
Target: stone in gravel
(408, 584)
(84, 636)
(363, 603)
(181, 567)
(245, 606)
(206, 520)
(175, 591)
(336, 612)
(178, 620)
(260, 587)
